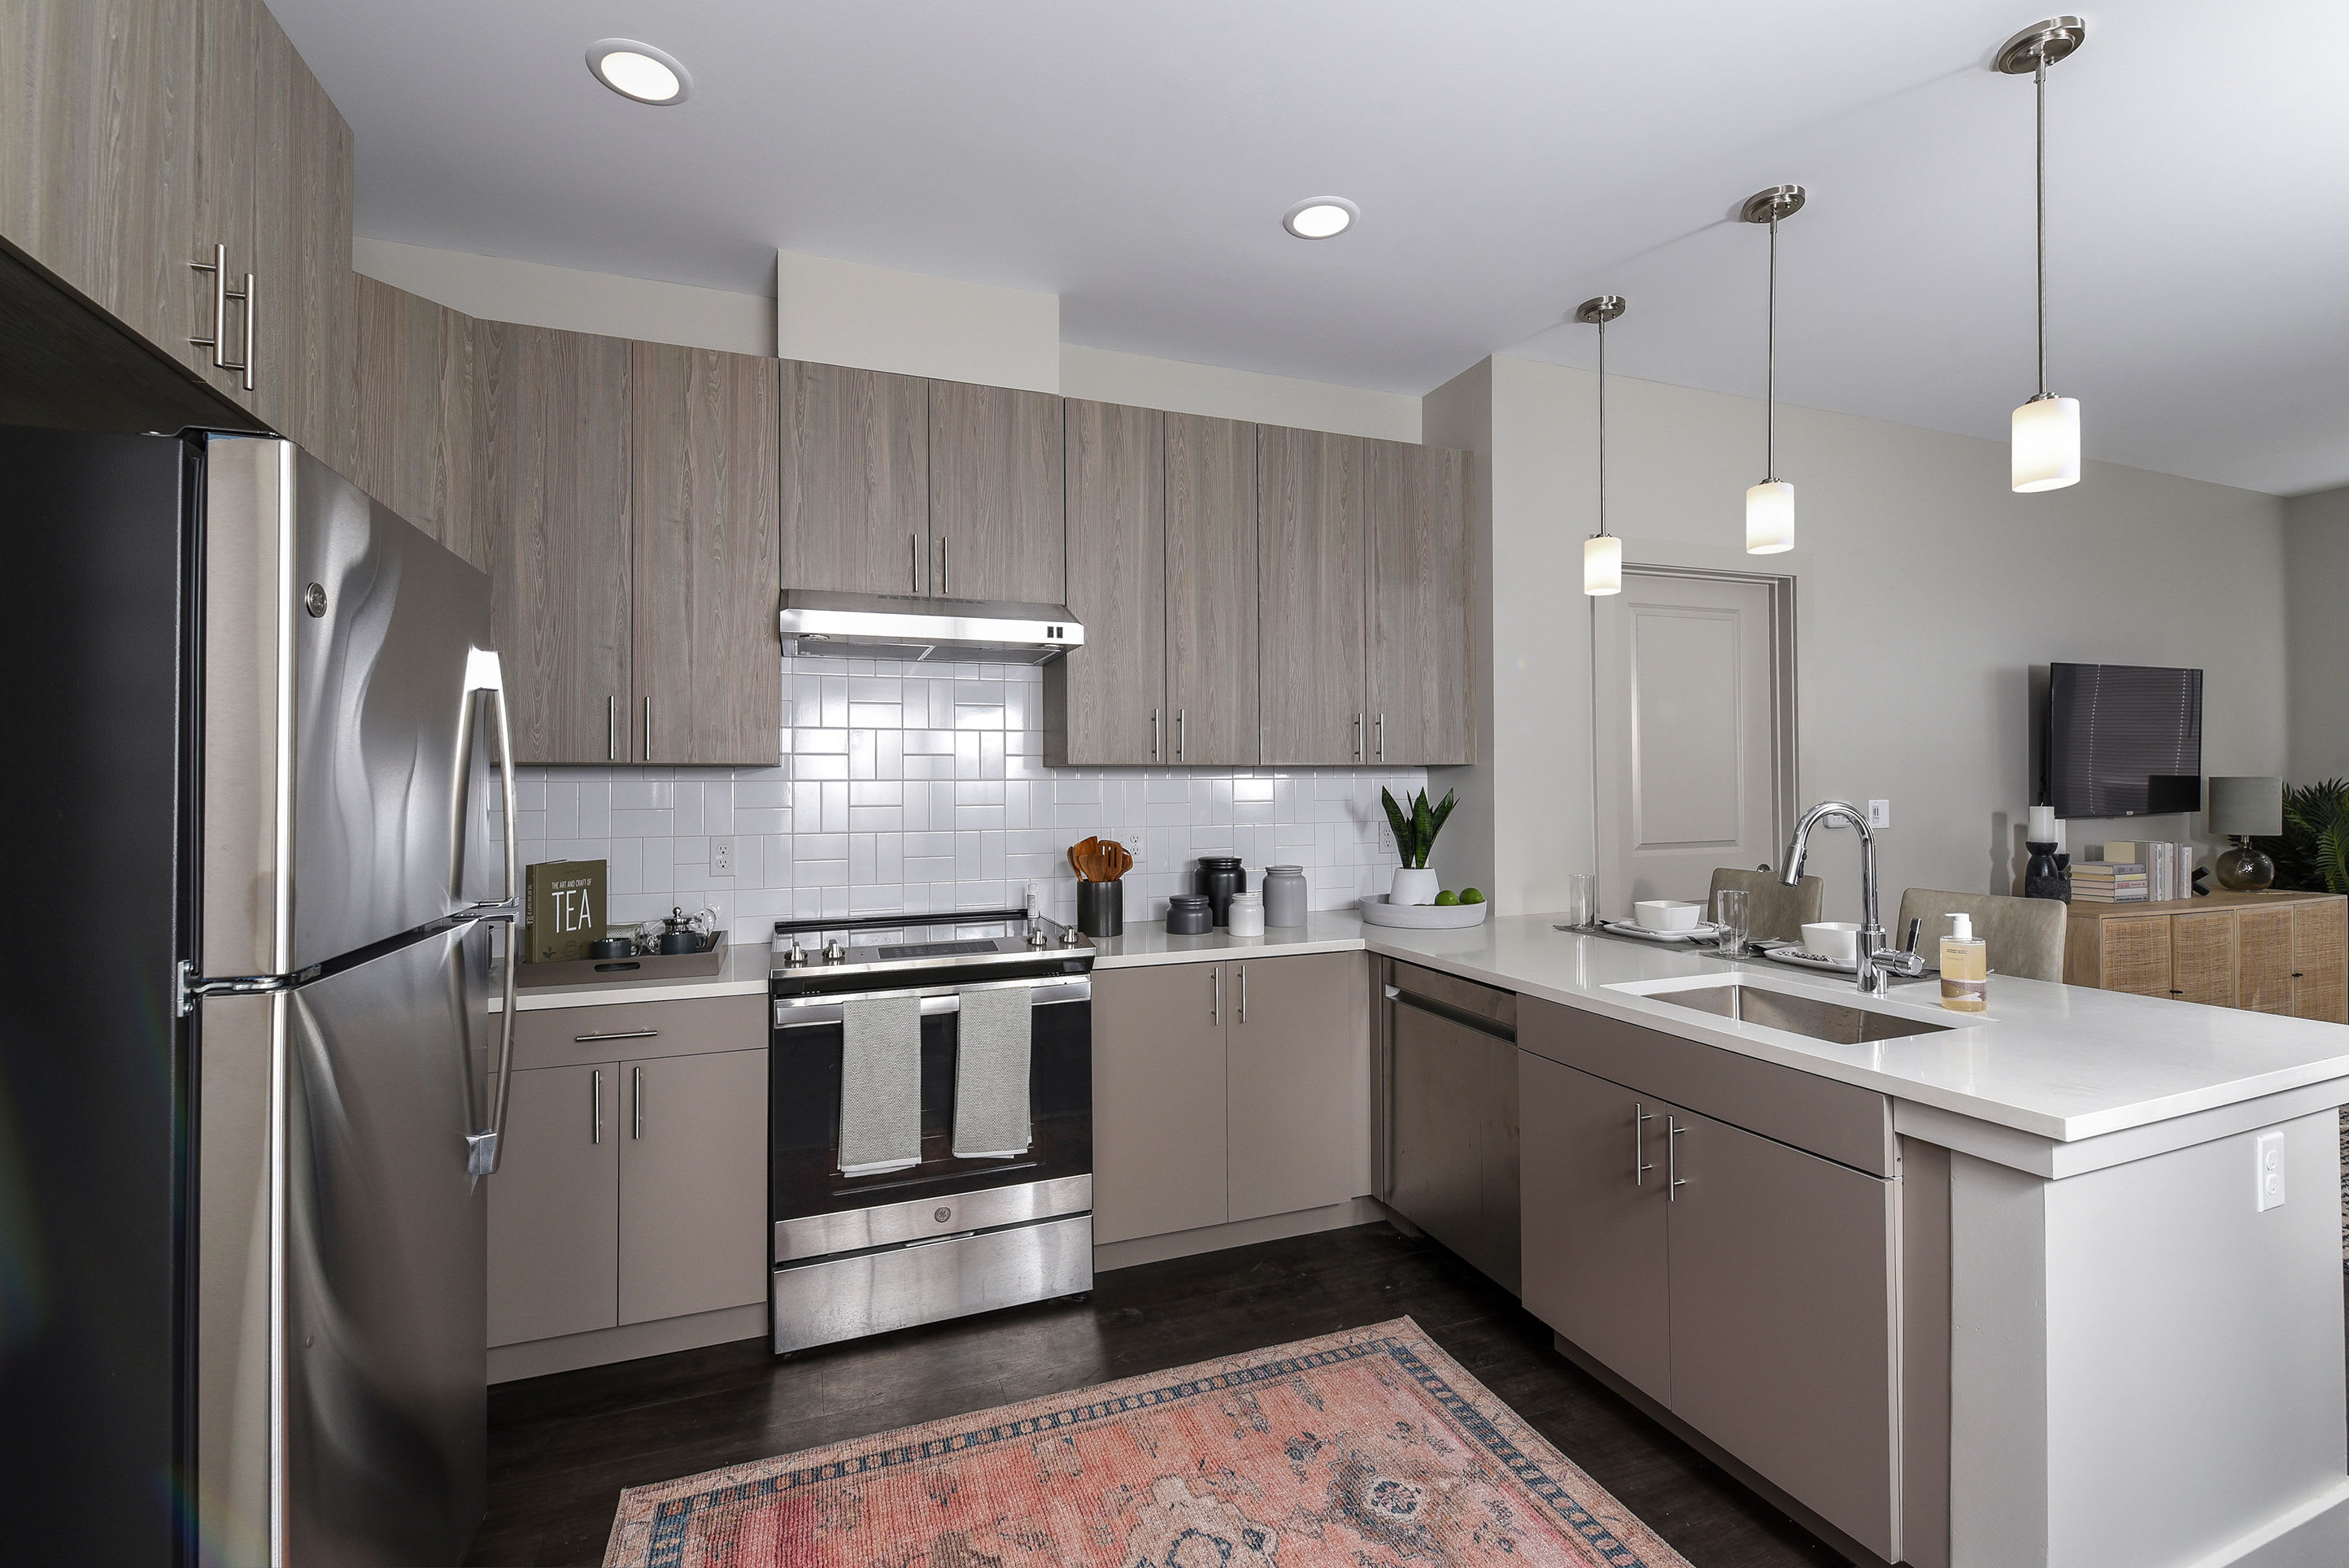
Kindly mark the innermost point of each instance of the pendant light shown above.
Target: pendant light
(1770, 505)
(1602, 553)
(2046, 450)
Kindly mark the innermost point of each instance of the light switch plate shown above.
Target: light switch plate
(1879, 814)
(721, 857)
(2271, 1170)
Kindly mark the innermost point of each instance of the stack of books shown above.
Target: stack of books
(2109, 881)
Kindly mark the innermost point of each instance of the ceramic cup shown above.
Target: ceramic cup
(1835, 938)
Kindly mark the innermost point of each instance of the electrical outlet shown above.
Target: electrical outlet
(1131, 840)
(2271, 1170)
(1879, 814)
(721, 857)
(1386, 838)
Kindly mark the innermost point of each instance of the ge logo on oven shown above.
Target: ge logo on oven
(942, 1215)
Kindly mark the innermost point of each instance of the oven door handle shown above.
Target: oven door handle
(807, 1013)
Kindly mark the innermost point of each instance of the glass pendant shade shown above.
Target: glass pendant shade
(2046, 444)
(1602, 564)
(1770, 518)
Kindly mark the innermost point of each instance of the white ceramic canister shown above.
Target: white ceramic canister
(1246, 915)
(1284, 896)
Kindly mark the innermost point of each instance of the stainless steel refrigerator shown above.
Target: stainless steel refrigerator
(247, 1086)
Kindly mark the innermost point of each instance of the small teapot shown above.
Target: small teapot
(681, 933)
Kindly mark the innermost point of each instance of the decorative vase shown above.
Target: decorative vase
(2043, 878)
(2243, 868)
(1413, 885)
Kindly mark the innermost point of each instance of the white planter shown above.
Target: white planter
(1414, 885)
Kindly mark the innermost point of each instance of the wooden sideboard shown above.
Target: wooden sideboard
(2267, 951)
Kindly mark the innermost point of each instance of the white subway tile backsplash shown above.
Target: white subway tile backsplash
(923, 788)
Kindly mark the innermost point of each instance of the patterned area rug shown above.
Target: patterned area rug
(1361, 1449)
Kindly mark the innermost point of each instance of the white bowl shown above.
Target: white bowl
(1668, 913)
(1835, 938)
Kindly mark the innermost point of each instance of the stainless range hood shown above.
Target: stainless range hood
(942, 631)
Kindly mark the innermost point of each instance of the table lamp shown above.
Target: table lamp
(2242, 809)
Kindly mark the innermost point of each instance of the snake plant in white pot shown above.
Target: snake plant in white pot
(1414, 835)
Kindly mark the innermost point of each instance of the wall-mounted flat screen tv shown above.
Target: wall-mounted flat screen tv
(2122, 740)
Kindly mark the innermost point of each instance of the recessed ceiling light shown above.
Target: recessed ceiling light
(638, 71)
(1322, 218)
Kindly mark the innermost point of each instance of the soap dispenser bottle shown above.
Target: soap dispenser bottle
(1965, 968)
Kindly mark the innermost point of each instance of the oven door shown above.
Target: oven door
(806, 1186)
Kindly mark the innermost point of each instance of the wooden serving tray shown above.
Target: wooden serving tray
(645, 966)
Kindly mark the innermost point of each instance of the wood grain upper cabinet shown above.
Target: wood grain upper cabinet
(707, 652)
(1298, 1083)
(1416, 580)
(995, 495)
(555, 478)
(693, 1183)
(415, 409)
(855, 467)
(1104, 703)
(1309, 553)
(1211, 591)
(303, 291)
(2320, 960)
(1158, 1099)
(95, 148)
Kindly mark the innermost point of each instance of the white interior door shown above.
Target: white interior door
(1687, 717)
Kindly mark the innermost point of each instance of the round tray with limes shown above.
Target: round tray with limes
(1377, 910)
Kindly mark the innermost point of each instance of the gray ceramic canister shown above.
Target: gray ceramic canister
(1284, 896)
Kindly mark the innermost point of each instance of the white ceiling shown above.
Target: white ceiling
(1509, 157)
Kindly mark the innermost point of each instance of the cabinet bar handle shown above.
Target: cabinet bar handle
(247, 365)
(946, 567)
(1154, 735)
(914, 552)
(596, 1085)
(1215, 1008)
(649, 730)
(1640, 1165)
(611, 731)
(1383, 737)
(618, 1035)
(1358, 737)
(1672, 1160)
(1243, 1017)
(218, 341)
(1181, 735)
(636, 1097)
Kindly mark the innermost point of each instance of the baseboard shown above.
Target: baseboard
(601, 1346)
(2313, 1535)
(1108, 1256)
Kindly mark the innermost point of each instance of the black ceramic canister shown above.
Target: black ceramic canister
(1187, 914)
(1220, 876)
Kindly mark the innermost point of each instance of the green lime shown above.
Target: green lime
(1472, 895)
(1447, 898)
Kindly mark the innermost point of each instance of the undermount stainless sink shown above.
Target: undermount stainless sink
(1808, 1016)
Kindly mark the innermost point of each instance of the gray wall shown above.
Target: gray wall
(2316, 614)
(1927, 589)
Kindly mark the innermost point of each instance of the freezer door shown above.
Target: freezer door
(385, 1371)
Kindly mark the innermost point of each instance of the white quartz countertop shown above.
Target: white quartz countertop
(2060, 1062)
(2057, 1062)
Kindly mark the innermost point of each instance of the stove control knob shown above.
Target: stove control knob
(797, 958)
(834, 953)
(1036, 934)
(1068, 936)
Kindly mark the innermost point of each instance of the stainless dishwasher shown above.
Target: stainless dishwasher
(1448, 1065)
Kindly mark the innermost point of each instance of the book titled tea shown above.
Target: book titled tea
(563, 909)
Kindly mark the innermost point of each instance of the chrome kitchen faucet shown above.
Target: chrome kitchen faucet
(1874, 965)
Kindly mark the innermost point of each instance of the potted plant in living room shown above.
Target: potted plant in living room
(1414, 835)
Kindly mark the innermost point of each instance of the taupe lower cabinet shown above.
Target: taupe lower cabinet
(855, 479)
(1227, 1091)
(142, 136)
(632, 1188)
(1746, 1284)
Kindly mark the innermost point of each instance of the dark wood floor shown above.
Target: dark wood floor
(560, 1448)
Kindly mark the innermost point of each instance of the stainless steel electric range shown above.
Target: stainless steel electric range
(946, 1235)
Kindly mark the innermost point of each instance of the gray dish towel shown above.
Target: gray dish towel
(991, 1074)
(880, 1085)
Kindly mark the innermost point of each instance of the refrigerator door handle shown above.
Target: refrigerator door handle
(484, 673)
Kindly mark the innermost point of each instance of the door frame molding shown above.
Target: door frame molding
(1790, 719)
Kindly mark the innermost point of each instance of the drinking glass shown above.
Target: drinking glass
(1729, 913)
(1581, 899)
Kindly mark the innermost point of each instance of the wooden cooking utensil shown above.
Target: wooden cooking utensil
(1120, 860)
(1081, 858)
